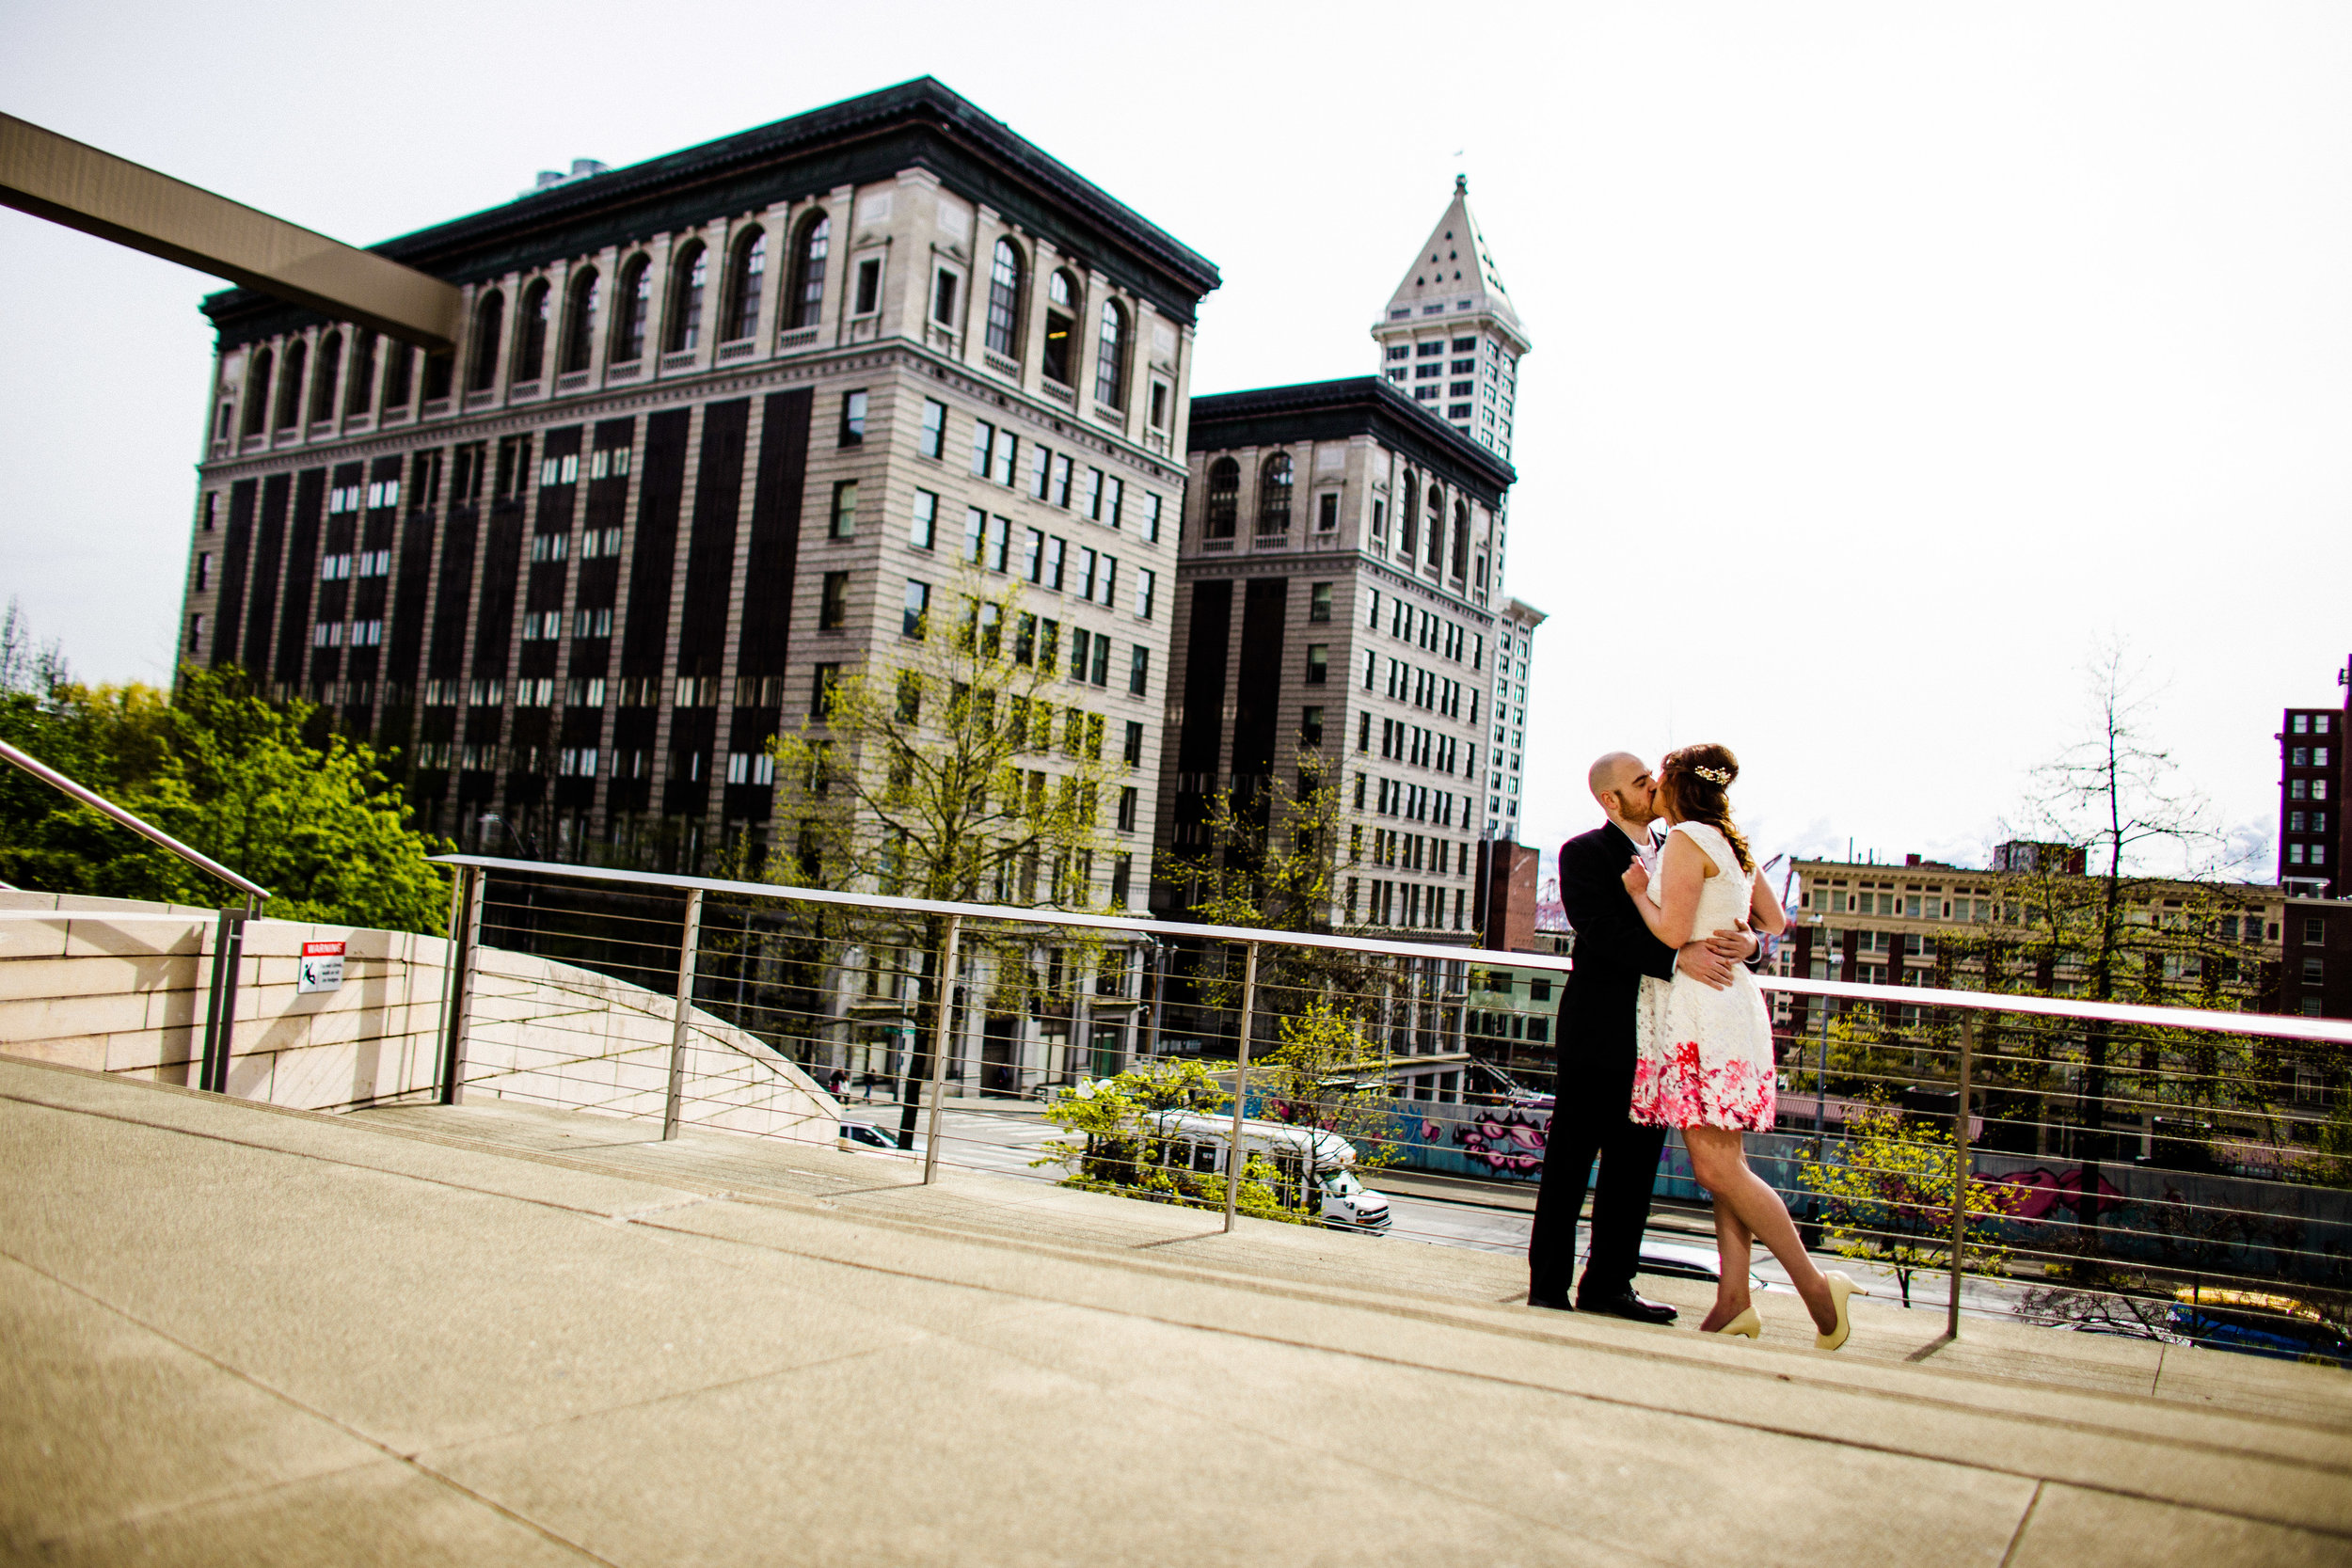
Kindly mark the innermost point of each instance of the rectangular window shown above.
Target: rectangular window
(1109, 581)
(944, 297)
(1060, 486)
(1122, 875)
(833, 609)
(1102, 675)
(828, 678)
(1114, 500)
(983, 445)
(1033, 555)
(1138, 669)
(926, 523)
(1081, 644)
(1327, 513)
(592, 622)
(1002, 470)
(1150, 518)
(1086, 573)
(1128, 797)
(931, 441)
(1147, 582)
(1310, 726)
(853, 419)
(1055, 551)
(975, 533)
(195, 632)
(999, 543)
(1318, 663)
(917, 606)
(844, 508)
(1090, 494)
(1040, 467)
(1131, 752)
(868, 287)
(1319, 602)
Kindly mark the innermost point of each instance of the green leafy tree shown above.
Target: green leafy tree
(959, 769)
(230, 775)
(1109, 1143)
(1887, 1194)
(1326, 1074)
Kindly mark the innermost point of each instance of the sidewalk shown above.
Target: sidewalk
(500, 1334)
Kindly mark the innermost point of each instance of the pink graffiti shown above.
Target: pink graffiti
(1507, 1141)
(2034, 1192)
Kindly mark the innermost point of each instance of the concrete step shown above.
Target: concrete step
(505, 1333)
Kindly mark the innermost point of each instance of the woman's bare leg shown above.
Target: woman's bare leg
(1720, 1167)
(1732, 1239)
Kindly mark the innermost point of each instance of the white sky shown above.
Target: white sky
(1884, 353)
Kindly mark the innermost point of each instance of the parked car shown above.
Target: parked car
(860, 1138)
(2258, 1324)
(1315, 1169)
(1688, 1261)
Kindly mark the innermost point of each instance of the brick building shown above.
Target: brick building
(719, 423)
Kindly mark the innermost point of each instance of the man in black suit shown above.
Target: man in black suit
(1593, 1089)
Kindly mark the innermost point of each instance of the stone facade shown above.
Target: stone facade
(1332, 608)
(713, 416)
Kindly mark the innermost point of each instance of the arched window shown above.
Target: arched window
(531, 333)
(1110, 357)
(1461, 538)
(256, 393)
(746, 275)
(360, 399)
(1224, 498)
(689, 269)
(489, 322)
(804, 301)
(1061, 298)
(580, 322)
(636, 301)
(1437, 526)
(1408, 517)
(1273, 494)
(290, 385)
(1004, 301)
(323, 384)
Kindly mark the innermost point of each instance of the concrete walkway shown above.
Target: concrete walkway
(498, 1335)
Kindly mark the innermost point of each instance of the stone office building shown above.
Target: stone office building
(719, 424)
(1336, 604)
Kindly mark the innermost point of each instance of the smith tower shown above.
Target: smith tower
(1451, 336)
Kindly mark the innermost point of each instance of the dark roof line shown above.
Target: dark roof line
(925, 99)
(1373, 401)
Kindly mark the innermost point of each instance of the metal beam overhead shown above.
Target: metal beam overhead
(70, 183)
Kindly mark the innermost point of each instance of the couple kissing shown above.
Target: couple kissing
(1663, 1026)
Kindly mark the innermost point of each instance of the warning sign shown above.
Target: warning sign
(321, 967)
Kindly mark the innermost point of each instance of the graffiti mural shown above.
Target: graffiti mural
(2035, 1193)
(1503, 1140)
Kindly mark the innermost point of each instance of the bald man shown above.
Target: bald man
(1593, 1088)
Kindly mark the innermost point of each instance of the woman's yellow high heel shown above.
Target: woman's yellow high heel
(1747, 1322)
(1839, 1289)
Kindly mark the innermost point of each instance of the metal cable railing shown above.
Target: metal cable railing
(220, 1001)
(772, 983)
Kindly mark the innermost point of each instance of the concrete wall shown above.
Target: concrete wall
(119, 986)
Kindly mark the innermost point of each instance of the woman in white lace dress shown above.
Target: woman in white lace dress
(1706, 1055)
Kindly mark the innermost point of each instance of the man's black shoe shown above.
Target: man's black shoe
(1557, 1304)
(1625, 1303)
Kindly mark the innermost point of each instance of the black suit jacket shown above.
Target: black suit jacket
(1613, 950)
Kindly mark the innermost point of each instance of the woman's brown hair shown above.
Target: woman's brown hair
(1696, 782)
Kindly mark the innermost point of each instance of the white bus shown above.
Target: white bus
(1316, 1168)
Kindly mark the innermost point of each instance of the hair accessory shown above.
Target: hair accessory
(1713, 775)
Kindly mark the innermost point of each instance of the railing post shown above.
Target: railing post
(1962, 1171)
(938, 1042)
(674, 1100)
(220, 1003)
(464, 937)
(1241, 1082)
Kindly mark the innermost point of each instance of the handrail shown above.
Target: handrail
(2272, 1025)
(98, 803)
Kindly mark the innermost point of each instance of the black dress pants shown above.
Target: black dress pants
(1589, 1117)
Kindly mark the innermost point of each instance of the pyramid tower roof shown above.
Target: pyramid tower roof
(1454, 271)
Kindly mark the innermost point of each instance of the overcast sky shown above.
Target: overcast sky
(1885, 355)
